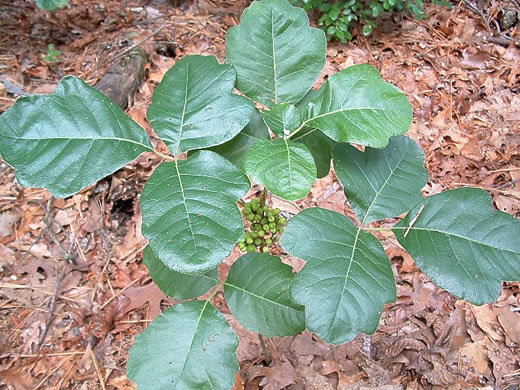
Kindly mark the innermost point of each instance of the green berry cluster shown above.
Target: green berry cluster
(265, 226)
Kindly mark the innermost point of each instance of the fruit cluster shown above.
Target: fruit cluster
(265, 226)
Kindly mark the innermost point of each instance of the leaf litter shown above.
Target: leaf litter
(465, 95)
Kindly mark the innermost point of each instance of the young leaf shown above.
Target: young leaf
(189, 212)
(285, 167)
(51, 5)
(356, 105)
(320, 147)
(278, 57)
(57, 141)
(189, 346)
(257, 292)
(347, 278)
(381, 183)
(194, 106)
(176, 284)
(462, 244)
(282, 119)
(236, 149)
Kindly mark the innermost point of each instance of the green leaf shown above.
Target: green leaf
(355, 105)
(381, 183)
(285, 167)
(189, 212)
(51, 5)
(347, 278)
(194, 106)
(462, 244)
(257, 292)
(189, 346)
(320, 147)
(236, 149)
(176, 284)
(277, 56)
(282, 119)
(58, 141)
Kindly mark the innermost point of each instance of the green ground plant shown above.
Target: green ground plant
(52, 5)
(192, 209)
(339, 18)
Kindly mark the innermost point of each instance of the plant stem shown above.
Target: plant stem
(163, 156)
(267, 354)
(377, 229)
(263, 197)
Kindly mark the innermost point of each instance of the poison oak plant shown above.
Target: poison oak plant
(192, 209)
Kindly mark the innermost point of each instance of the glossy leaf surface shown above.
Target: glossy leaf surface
(257, 292)
(282, 119)
(189, 212)
(356, 105)
(285, 167)
(194, 106)
(57, 141)
(462, 244)
(176, 284)
(278, 57)
(189, 346)
(236, 149)
(320, 147)
(381, 183)
(347, 278)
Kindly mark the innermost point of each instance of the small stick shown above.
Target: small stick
(96, 365)
(413, 221)
(267, 354)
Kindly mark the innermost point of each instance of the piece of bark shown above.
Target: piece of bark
(124, 77)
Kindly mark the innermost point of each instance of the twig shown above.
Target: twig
(267, 354)
(120, 292)
(132, 47)
(479, 12)
(413, 221)
(96, 366)
(52, 308)
(510, 183)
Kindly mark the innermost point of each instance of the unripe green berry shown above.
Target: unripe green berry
(265, 249)
(257, 218)
(250, 217)
(276, 238)
(268, 241)
(276, 211)
(282, 221)
(264, 221)
(272, 225)
(265, 227)
(270, 219)
(258, 241)
(273, 230)
(250, 248)
(249, 240)
(254, 207)
(261, 233)
(281, 229)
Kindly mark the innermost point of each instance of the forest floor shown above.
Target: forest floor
(74, 292)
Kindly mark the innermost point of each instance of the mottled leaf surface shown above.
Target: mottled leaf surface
(176, 284)
(381, 183)
(257, 292)
(347, 278)
(278, 57)
(189, 346)
(463, 244)
(285, 167)
(194, 106)
(189, 211)
(57, 141)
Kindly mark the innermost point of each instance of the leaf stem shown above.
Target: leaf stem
(377, 229)
(297, 130)
(267, 354)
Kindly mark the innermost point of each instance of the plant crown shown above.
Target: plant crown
(192, 211)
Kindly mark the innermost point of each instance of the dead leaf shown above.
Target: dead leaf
(510, 323)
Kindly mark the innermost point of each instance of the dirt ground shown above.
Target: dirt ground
(74, 292)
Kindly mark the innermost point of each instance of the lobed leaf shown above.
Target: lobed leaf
(57, 141)
(277, 56)
(285, 167)
(189, 212)
(381, 183)
(356, 105)
(176, 284)
(347, 278)
(236, 149)
(257, 292)
(194, 106)
(189, 346)
(462, 244)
